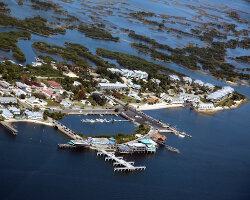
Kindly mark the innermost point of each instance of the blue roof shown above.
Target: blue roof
(145, 141)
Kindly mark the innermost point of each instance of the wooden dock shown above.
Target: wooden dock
(9, 127)
(119, 161)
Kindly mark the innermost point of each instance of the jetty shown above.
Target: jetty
(9, 127)
(65, 130)
(119, 161)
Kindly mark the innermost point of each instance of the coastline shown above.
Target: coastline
(29, 121)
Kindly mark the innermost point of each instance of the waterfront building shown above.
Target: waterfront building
(98, 141)
(209, 86)
(220, 94)
(177, 101)
(187, 80)
(198, 83)
(165, 97)
(14, 110)
(160, 139)
(54, 85)
(137, 147)
(33, 115)
(189, 97)
(7, 100)
(112, 86)
(205, 106)
(6, 113)
(174, 78)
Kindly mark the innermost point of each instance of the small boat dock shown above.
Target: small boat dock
(119, 161)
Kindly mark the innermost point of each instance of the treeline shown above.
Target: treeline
(8, 41)
(97, 33)
(36, 25)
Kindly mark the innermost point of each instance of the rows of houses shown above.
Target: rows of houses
(220, 94)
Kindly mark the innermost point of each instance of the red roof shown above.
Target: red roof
(54, 84)
(48, 92)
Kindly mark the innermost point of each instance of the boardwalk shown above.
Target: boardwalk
(118, 161)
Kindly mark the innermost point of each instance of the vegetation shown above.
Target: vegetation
(3, 7)
(55, 115)
(97, 33)
(36, 25)
(97, 99)
(8, 41)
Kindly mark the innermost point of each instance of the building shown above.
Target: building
(198, 83)
(160, 139)
(135, 87)
(209, 86)
(33, 115)
(8, 100)
(157, 81)
(5, 84)
(189, 97)
(205, 106)
(137, 147)
(14, 110)
(134, 96)
(220, 94)
(32, 101)
(6, 114)
(36, 64)
(54, 85)
(76, 83)
(98, 141)
(187, 80)
(112, 86)
(21, 85)
(174, 78)
(129, 73)
(18, 92)
(66, 103)
(177, 101)
(48, 94)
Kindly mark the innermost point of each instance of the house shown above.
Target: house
(33, 115)
(21, 85)
(135, 86)
(6, 113)
(187, 80)
(174, 78)
(14, 110)
(32, 101)
(54, 85)
(112, 86)
(137, 147)
(177, 101)
(5, 84)
(135, 96)
(48, 94)
(76, 83)
(7, 100)
(65, 103)
(157, 81)
(198, 83)
(189, 97)
(205, 106)
(18, 92)
(209, 86)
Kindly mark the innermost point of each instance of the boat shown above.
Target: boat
(172, 149)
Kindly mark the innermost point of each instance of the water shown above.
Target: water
(214, 164)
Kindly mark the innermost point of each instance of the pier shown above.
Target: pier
(119, 161)
(9, 127)
(65, 130)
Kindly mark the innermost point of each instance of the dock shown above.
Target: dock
(119, 161)
(65, 130)
(9, 127)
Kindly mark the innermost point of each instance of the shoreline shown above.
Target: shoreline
(156, 106)
(29, 121)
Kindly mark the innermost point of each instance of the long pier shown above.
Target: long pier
(65, 130)
(9, 127)
(119, 161)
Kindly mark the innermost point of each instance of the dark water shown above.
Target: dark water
(214, 164)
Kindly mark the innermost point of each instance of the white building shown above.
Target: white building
(32, 101)
(136, 87)
(6, 114)
(174, 78)
(220, 94)
(14, 110)
(199, 83)
(5, 84)
(187, 80)
(76, 83)
(137, 147)
(177, 101)
(18, 92)
(7, 100)
(98, 141)
(209, 86)
(205, 106)
(33, 115)
(135, 96)
(112, 86)
(189, 97)
(129, 73)
(21, 85)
